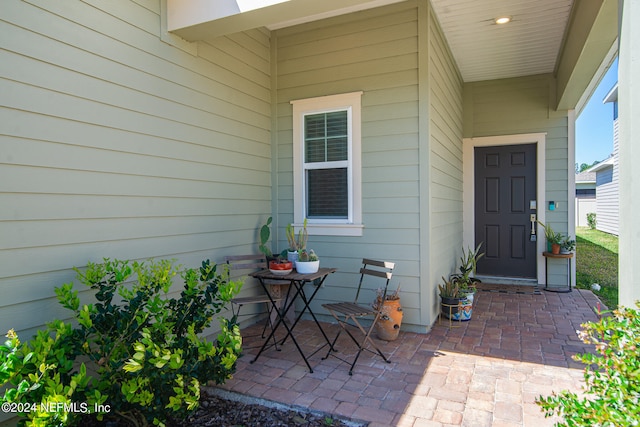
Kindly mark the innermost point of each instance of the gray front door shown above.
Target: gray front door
(505, 185)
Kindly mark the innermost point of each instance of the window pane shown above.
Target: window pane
(337, 149)
(337, 123)
(315, 151)
(314, 126)
(326, 137)
(327, 193)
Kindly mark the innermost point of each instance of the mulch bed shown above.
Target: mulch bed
(219, 408)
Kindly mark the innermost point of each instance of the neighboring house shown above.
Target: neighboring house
(585, 197)
(123, 139)
(607, 179)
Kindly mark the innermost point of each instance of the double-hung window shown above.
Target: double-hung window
(327, 164)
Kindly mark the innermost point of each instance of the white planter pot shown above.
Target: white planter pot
(307, 267)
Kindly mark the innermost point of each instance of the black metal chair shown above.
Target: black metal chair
(350, 314)
(251, 263)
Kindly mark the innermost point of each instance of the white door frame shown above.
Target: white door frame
(468, 193)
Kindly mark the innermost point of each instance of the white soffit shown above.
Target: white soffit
(484, 50)
(201, 19)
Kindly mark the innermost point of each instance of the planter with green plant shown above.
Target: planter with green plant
(295, 241)
(455, 304)
(554, 240)
(467, 281)
(265, 234)
(460, 289)
(567, 245)
(308, 262)
(468, 264)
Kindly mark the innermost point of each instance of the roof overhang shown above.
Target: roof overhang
(605, 164)
(591, 36)
(612, 96)
(205, 19)
(575, 40)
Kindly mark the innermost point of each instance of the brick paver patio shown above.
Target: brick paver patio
(487, 372)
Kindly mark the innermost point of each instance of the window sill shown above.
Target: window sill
(350, 230)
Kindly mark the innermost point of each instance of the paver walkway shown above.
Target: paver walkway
(487, 372)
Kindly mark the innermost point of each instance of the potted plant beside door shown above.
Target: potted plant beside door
(554, 240)
(568, 245)
(465, 279)
(450, 299)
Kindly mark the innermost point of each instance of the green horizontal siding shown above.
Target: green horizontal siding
(374, 51)
(445, 169)
(119, 144)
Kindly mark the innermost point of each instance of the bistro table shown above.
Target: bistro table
(297, 281)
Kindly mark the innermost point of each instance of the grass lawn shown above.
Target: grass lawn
(597, 262)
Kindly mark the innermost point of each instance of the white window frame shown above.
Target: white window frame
(351, 102)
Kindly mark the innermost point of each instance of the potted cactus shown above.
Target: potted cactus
(296, 242)
(265, 234)
(307, 262)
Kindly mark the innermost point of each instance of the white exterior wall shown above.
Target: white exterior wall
(584, 207)
(629, 111)
(608, 191)
(118, 144)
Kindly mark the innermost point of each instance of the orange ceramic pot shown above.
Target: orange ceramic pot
(388, 326)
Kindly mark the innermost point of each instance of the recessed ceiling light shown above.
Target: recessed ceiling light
(502, 20)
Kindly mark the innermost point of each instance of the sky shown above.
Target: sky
(594, 125)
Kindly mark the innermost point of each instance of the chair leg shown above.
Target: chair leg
(360, 344)
(333, 343)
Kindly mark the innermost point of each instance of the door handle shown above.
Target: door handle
(533, 237)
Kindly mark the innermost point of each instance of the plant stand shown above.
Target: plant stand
(448, 311)
(548, 255)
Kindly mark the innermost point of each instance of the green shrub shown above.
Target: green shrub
(136, 353)
(591, 220)
(612, 378)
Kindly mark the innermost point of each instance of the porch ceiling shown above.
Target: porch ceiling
(568, 38)
(529, 44)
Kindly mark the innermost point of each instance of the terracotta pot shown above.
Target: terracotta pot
(388, 326)
(555, 249)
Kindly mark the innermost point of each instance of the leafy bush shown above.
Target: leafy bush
(612, 393)
(136, 353)
(591, 220)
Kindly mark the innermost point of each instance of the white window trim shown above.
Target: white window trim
(331, 227)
